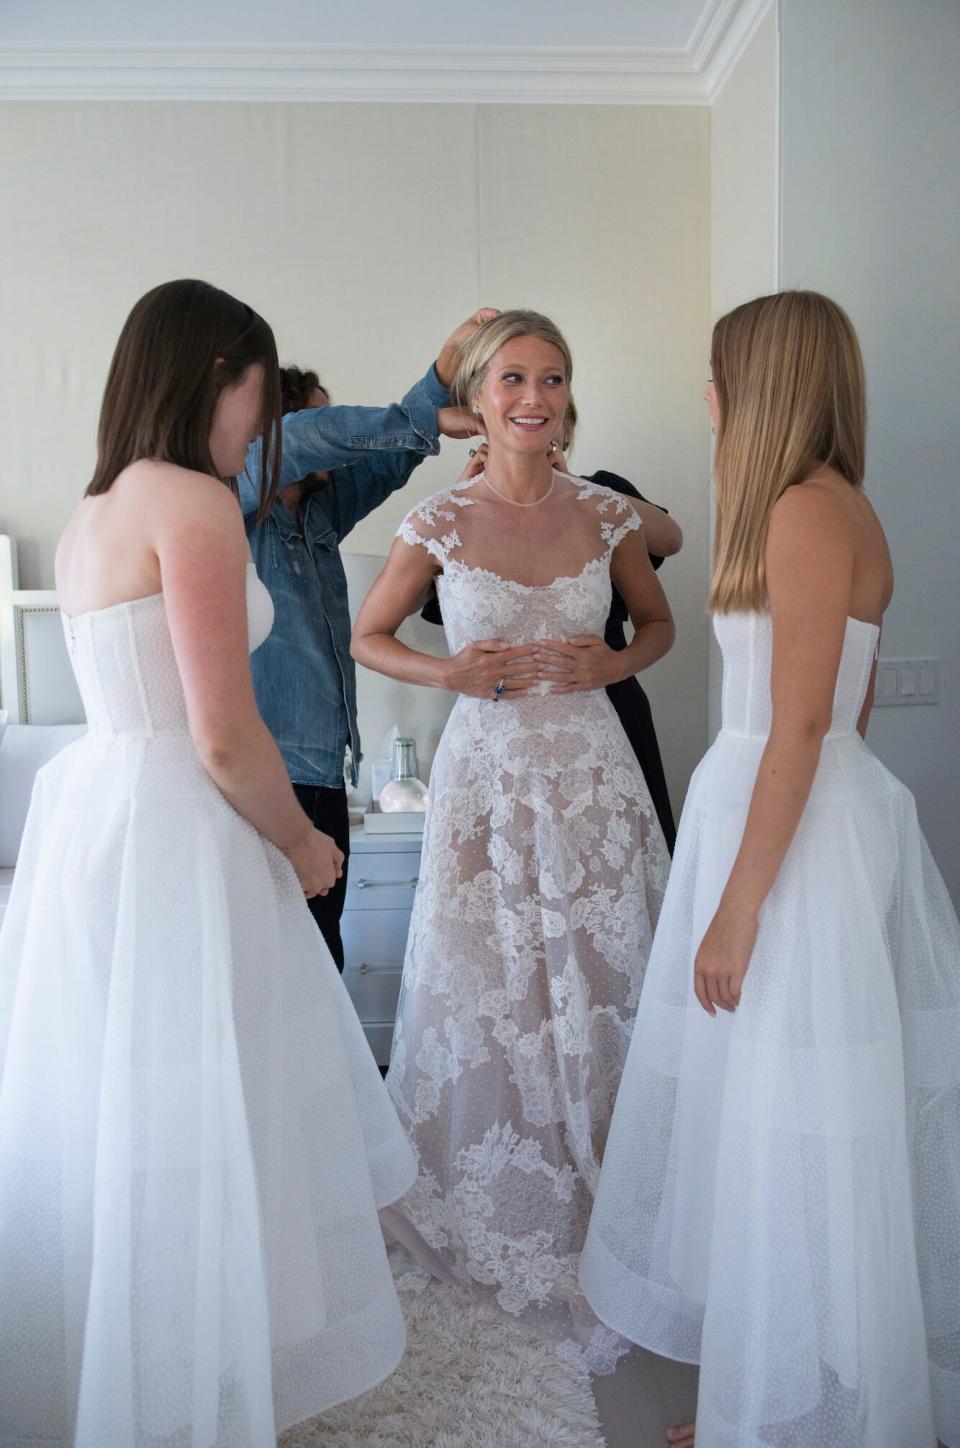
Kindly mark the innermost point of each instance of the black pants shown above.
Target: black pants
(327, 809)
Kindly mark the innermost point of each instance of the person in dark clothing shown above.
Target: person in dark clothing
(664, 537)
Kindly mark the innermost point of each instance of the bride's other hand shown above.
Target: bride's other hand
(476, 463)
(318, 862)
(577, 665)
(478, 669)
(723, 958)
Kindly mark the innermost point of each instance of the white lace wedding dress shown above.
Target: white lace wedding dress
(194, 1137)
(780, 1197)
(542, 876)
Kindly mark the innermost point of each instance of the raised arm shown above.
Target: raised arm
(809, 566)
(326, 439)
(664, 536)
(202, 551)
(400, 590)
(319, 439)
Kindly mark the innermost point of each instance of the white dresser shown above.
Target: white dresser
(381, 882)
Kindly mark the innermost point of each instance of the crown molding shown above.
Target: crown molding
(686, 76)
(722, 34)
(242, 72)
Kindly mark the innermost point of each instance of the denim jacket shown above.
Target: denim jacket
(303, 675)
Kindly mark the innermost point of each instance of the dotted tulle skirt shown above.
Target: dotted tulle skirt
(780, 1194)
(194, 1137)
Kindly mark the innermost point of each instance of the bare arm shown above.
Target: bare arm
(810, 559)
(399, 590)
(202, 552)
(640, 588)
(585, 661)
(663, 534)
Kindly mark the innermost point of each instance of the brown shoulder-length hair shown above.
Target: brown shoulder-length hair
(788, 377)
(182, 344)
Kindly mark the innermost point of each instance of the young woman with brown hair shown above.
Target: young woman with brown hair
(194, 1136)
(780, 1195)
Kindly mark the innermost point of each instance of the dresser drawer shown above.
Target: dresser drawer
(382, 881)
(374, 937)
(374, 990)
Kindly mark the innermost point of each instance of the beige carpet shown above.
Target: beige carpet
(469, 1379)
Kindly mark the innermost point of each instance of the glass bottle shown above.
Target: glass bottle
(404, 791)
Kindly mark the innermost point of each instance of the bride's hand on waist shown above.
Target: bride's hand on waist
(483, 667)
(577, 665)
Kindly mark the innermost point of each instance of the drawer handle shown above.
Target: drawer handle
(373, 884)
(365, 968)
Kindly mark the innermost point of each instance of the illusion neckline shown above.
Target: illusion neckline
(515, 583)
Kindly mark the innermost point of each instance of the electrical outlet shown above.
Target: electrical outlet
(907, 681)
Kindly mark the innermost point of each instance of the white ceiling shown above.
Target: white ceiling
(606, 24)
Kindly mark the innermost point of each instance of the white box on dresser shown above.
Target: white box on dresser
(381, 882)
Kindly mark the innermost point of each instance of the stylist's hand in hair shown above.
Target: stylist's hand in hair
(457, 422)
(450, 351)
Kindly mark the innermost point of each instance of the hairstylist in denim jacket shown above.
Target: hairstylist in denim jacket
(303, 674)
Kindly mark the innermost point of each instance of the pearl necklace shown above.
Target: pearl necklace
(513, 501)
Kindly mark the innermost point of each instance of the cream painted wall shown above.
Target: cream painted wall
(744, 204)
(365, 233)
(871, 215)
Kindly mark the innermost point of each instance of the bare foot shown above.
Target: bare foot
(681, 1436)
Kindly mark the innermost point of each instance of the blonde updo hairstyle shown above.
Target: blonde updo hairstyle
(788, 378)
(481, 347)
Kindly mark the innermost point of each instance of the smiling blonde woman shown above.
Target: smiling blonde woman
(543, 865)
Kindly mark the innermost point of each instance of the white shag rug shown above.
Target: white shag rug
(469, 1379)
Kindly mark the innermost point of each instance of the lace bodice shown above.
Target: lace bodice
(125, 666)
(746, 640)
(478, 603)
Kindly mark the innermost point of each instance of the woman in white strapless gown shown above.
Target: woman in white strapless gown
(543, 864)
(194, 1137)
(780, 1196)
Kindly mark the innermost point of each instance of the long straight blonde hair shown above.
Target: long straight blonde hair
(788, 377)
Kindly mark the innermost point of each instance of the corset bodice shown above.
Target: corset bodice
(746, 640)
(126, 669)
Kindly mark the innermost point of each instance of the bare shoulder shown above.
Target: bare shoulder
(811, 508)
(172, 503)
(168, 488)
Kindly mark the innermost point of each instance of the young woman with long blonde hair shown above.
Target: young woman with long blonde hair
(780, 1195)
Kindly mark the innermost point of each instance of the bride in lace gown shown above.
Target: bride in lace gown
(543, 861)
(194, 1136)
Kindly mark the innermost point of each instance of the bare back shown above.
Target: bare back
(872, 580)
(107, 553)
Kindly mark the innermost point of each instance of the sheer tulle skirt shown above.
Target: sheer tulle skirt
(780, 1195)
(194, 1138)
